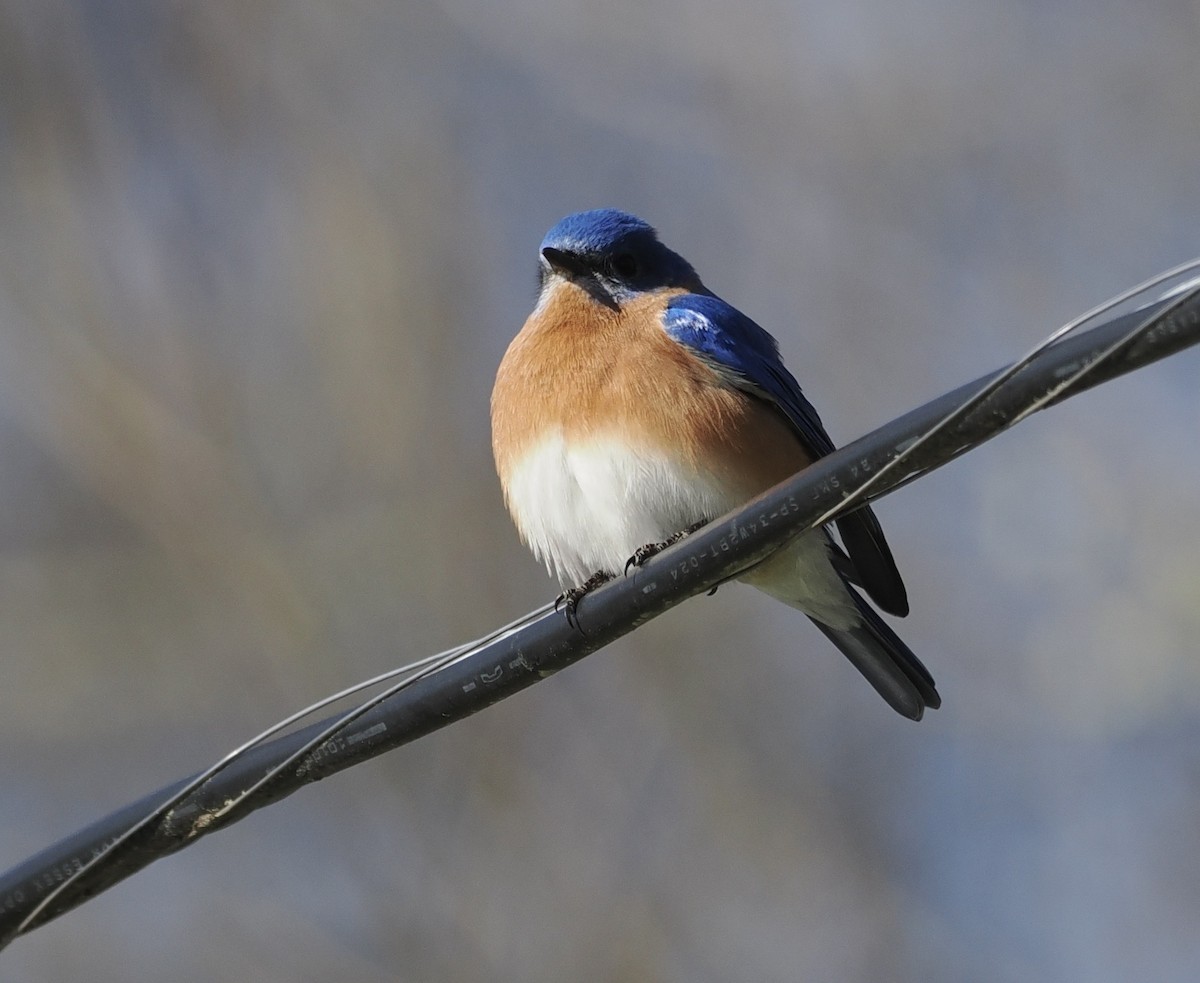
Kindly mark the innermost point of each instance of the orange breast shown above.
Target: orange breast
(588, 372)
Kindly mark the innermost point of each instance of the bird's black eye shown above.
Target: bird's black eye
(625, 265)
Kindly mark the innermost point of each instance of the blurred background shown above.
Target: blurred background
(258, 263)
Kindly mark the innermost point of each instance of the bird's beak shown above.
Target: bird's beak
(568, 264)
(572, 268)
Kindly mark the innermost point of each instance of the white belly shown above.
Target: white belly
(587, 509)
(584, 509)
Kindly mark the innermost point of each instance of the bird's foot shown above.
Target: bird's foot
(643, 553)
(571, 597)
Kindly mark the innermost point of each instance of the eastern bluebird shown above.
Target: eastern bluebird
(636, 404)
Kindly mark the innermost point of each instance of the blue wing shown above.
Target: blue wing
(747, 357)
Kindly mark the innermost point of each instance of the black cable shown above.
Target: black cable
(548, 643)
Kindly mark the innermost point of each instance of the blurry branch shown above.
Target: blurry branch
(441, 690)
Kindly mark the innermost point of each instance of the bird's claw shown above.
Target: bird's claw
(570, 598)
(644, 553)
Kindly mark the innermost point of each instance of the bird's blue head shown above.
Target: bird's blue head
(613, 255)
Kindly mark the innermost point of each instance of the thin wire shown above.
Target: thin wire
(451, 657)
(1048, 397)
(433, 666)
(1179, 296)
(986, 390)
(420, 668)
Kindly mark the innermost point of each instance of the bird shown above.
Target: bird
(635, 405)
